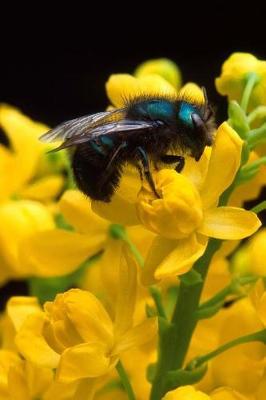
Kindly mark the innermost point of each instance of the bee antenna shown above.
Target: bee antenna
(206, 103)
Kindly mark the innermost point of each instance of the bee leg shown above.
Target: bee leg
(142, 155)
(171, 159)
(110, 165)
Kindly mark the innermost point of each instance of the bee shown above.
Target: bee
(145, 131)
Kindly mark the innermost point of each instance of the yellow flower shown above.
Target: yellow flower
(164, 67)
(242, 367)
(186, 393)
(228, 394)
(20, 220)
(218, 277)
(251, 257)
(79, 330)
(19, 165)
(258, 299)
(78, 327)
(187, 213)
(55, 252)
(235, 71)
(20, 379)
(189, 393)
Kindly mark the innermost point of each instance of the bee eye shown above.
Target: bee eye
(185, 112)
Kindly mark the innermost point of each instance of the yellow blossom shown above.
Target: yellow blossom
(79, 330)
(23, 159)
(22, 380)
(244, 363)
(187, 213)
(186, 393)
(251, 257)
(164, 67)
(55, 252)
(258, 298)
(235, 71)
(20, 221)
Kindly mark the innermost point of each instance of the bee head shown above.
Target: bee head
(199, 125)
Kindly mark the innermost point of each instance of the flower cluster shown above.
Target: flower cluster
(143, 297)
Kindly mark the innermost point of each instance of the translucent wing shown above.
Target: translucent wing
(79, 126)
(86, 128)
(108, 129)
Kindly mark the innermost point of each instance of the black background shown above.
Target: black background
(55, 62)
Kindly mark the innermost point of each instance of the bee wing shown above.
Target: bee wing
(108, 128)
(78, 126)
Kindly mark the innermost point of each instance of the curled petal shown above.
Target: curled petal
(123, 87)
(229, 223)
(168, 258)
(223, 166)
(32, 345)
(58, 252)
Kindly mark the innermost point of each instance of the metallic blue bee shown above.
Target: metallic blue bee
(143, 132)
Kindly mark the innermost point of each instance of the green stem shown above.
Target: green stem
(157, 298)
(125, 381)
(259, 207)
(252, 79)
(177, 337)
(232, 288)
(117, 231)
(259, 336)
(256, 136)
(258, 113)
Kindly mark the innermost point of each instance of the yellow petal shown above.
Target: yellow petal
(87, 315)
(121, 209)
(23, 134)
(164, 67)
(223, 166)
(179, 261)
(76, 209)
(87, 360)
(20, 220)
(7, 360)
(32, 345)
(229, 223)
(192, 92)
(126, 299)
(138, 335)
(58, 252)
(227, 394)
(44, 189)
(169, 258)
(196, 171)
(123, 87)
(185, 393)
(19, 308)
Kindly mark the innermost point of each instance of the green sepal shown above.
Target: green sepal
(208, 312)
(238, 119)
(150, 311)
(182, 377)
(191, 278)
(151, 371)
